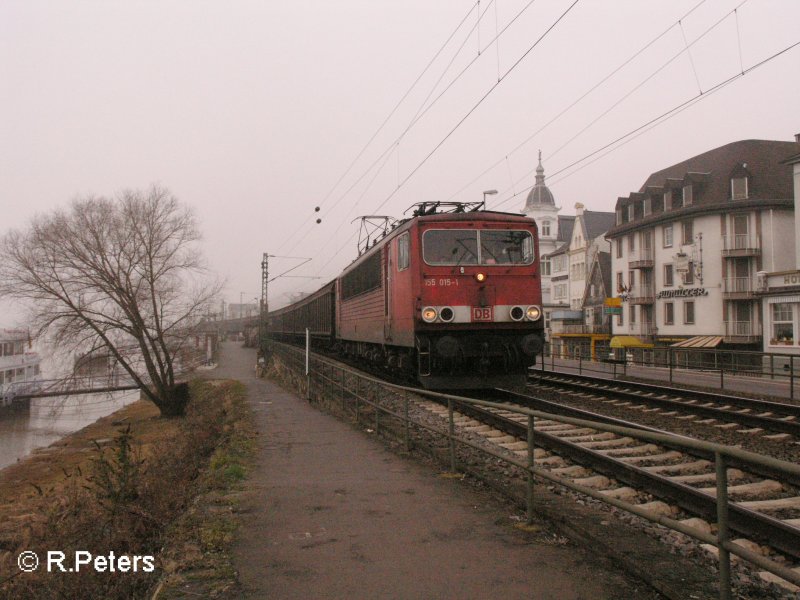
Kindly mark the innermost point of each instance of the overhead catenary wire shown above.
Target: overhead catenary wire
(583, 96)
(472, 109)
(480, 101)
(394, 110)
(663, 117)
(633, 89)
(422, 111)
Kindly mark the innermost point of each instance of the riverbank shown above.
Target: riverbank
(131, 484)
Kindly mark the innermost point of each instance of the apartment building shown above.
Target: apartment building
(687, 247)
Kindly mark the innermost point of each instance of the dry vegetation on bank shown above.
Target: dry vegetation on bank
(132, 484)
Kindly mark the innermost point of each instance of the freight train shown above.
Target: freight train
(449, 297)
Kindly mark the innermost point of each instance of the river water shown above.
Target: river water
(39, 422)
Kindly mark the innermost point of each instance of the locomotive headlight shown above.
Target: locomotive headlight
(429, 314)
(517, 313)
(533, 313)
(446, 314)
(480, 277)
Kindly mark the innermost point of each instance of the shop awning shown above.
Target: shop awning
(700, 341)
(628, 341)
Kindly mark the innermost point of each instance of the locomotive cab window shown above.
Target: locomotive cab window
(402, 252)
(469, 247)
(450, 247)
(506, 248)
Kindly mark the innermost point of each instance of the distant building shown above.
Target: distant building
(554, 232)
(578, 326)
(19, 366)
(242, 311)
(688, 245)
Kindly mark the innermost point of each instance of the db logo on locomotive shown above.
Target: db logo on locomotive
(484, 313)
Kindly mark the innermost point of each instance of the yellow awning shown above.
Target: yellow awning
(700, 341)
(628, 341)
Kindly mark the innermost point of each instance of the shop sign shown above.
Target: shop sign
(683, 293)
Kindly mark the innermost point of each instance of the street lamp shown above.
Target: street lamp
(487, 193)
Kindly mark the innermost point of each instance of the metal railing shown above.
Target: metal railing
(738, 285)
(355, 394)
(741, 329)
(741, 241)
(734, 370)
(593, 328)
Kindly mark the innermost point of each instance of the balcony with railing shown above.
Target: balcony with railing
(741, 244)
(643, 258)
(739, 288)
(742, 332)
(644, 293)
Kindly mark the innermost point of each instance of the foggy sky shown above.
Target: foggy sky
(251, 111)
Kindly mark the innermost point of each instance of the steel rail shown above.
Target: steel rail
(750, 420)
(772, 531)
(561, 409)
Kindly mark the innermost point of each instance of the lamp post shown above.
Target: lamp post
(487, 193)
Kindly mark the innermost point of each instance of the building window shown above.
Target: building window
(669, 313)
(687, 228)
(630, 212)
(546, 229)
(647, 206)
(688, 313)
(739, 188)
(667, 235)
(619, 248)
(545, 267)
(633, 314)
(687, 195)
(631, 242)
(782, 324)
(668, 200)
(631, 279)
(620, 320)
(668, 276)
(619, 216)
(620, 284)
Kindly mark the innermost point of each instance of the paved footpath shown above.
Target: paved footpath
(329, 512)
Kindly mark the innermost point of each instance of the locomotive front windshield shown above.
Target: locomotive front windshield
(470, 247)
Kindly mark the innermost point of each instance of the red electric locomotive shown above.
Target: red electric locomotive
(452, 298)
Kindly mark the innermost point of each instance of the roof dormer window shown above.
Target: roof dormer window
(619, 216)
(647, 206)
(738, 188)
(687, 195)
(668, 200)
(630, 212)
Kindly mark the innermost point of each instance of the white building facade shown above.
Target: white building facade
(688, 247)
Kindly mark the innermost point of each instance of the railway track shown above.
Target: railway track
(770, 420)
(764, 511)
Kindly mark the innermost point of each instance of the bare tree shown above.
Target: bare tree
(123, 276)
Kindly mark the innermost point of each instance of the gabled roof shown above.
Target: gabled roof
(596, 223)
(565, 225)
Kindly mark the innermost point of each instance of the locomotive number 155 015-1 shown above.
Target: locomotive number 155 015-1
(443, 282)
